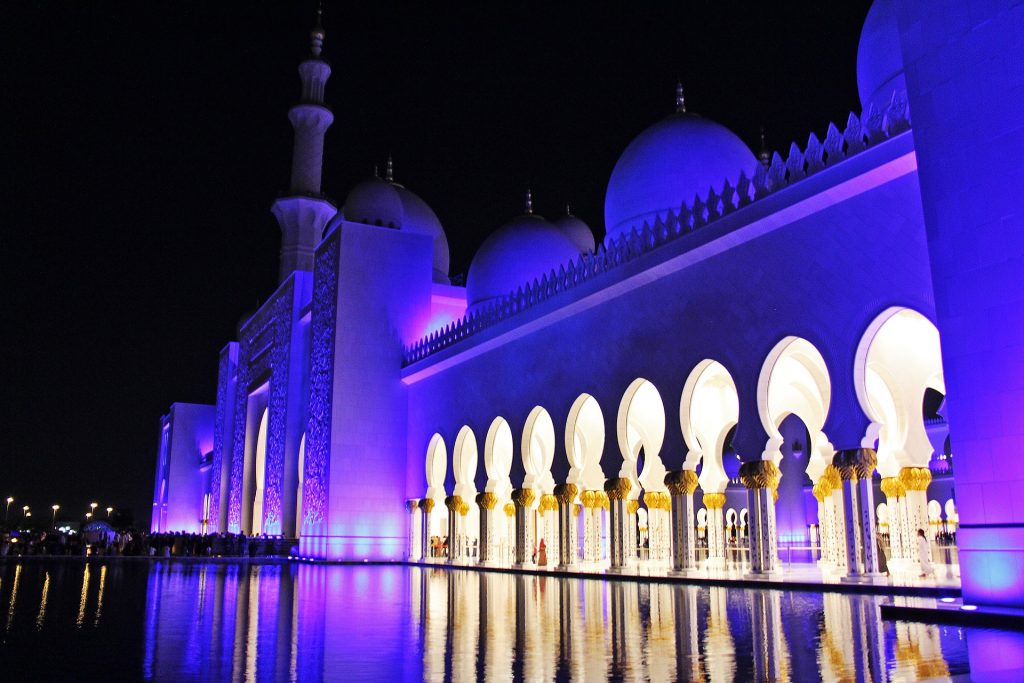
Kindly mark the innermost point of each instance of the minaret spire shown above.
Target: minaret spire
(764, 156)
(304, 213)
(680, 98)
(529, 202)
(389, 170)
(317, 35)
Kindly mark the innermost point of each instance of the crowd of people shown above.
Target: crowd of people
(131, 542)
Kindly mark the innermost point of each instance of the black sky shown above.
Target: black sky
(143, 143)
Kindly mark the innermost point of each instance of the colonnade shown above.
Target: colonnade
(844, 495)
(543, 525)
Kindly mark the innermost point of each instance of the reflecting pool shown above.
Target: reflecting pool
(164, 620)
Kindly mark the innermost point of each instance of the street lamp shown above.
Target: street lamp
(109, 510)
(24, 511)
(93, 507)
(54, 508)
(10, 499)
(88, 515)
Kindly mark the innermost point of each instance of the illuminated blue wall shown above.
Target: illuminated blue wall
(191, 437)
(966, 89)
(355, 471)
(743, 285)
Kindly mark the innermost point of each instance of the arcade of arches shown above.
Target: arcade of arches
(800, 500)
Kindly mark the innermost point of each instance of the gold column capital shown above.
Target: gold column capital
(566, 493)
(618, 488)
(523, 497)
(893, 488)
(487, 500)
(714, 501)
(510, 510)
(427, 504)
(412, 504)
(760, 474)
(632, 506)
(915, 478)
(681, 482)
(453, 503)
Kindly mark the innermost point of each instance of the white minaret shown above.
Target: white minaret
(304, 213)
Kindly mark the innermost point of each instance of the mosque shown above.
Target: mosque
(687, 393)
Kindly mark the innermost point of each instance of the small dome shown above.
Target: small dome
(577, 231)
(879, 59)
(420, 218)
(525, 248)
(375, 202)
(669, 164)
(379, 202)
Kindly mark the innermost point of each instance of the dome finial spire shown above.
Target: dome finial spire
(317, 35)
(529, 202)
(389, 170)
(568, 210)
(680, 98)
(764, 156)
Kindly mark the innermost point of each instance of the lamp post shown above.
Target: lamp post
(24, 511)
(92, 507)
(54, 508)
(10, 499)
(109, 510)
(88, 515)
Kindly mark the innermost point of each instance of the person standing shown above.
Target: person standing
(924, 554)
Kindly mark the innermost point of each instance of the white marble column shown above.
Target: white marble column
(567, 542)
(916, 481)
(713, 503)
(455, 527)
(413, 506)
(486, 502)
(427, 506)
(618, 492)
(523, 499)
(593, 504)
(761, 478)
(682, 484)
(856, 467)
(895, 498)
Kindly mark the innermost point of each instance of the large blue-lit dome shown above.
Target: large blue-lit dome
(525, 248)
(669, 164)
(381, 202)
(879, 59)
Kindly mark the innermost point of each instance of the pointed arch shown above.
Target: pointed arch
(584, 443)
(641, 425)
(708, 410)
(794, 380)
(898, 358)
(539, 450)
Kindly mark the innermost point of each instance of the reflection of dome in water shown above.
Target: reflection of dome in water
(526, 248)
(382, 202)
(669, 164)
(879, 59)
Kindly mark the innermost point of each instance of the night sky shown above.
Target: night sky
(143, 144)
